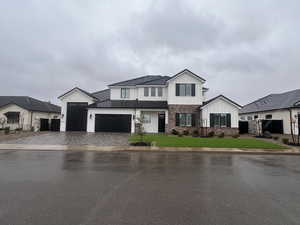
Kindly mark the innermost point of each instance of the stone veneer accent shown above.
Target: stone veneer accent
(173, 109)
(227, 131)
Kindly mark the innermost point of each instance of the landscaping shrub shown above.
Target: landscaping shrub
(285, 141)
(196, 133)
(275, 138)
(180, 134)
(267, 134)
(236, 136)
(174, 131)
(186, 132)
(32, 129)
(221, 135)
(211, 134)
(18, 129)
(6, 130)
(140, 143)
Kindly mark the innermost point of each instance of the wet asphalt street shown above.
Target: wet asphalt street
(143, 188)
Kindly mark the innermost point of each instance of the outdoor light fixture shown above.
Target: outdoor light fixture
(62, 116)
(91, 115)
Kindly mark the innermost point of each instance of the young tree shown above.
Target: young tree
(140, 128)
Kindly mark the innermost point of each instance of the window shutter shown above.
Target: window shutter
(177, 119)
(193, 89)
(177, 89)
(228, 119)
(212, 120)
(193, 120)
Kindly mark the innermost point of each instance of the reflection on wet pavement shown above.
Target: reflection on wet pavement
(75, 187)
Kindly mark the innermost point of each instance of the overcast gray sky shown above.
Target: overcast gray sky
(244, 49)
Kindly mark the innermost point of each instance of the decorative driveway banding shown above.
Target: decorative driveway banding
(73, 138)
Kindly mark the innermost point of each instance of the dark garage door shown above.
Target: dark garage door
(273, 126)
(76, 116)
(44, 124)
(112, 123)
(55, 124)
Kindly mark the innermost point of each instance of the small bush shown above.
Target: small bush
(18, 129)
(221, 135)
(186, 132)
(174, 131)
(196, 133)
(180, 134)
(211, 134)
(236, 136)
(32, 129)
(6, 130)
(285, 141)
(267, 134)
(140, 143)
(275, 138)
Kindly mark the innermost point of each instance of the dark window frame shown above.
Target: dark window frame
(12, 117)
(182, 120)
(268, 116)
(220, 120)
(188, 92)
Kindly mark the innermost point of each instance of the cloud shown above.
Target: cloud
(244, 49)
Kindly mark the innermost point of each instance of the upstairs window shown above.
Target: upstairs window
(159, 91)
(124, 92)
(146, 91)
(249, 118)
(256, 117)
(12, 117)
(185, 90)
(220, 120)
(146, 118)
(268, 116)
(153, 91)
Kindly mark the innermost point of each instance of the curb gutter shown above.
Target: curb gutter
(291, 151)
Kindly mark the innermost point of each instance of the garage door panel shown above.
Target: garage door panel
(112, 123)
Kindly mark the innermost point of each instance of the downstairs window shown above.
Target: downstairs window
(12, 117)
(185, 119)
(220, 120)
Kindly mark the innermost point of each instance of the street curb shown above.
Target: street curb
(22, 147)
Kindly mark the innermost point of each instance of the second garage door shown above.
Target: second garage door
(112, 123)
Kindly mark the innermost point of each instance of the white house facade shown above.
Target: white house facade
(26, 113)
(162, 102)
(277, 113)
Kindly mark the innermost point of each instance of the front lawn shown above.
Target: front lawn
(175, 141)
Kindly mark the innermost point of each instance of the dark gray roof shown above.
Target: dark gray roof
(220, 96)
(130, 104)
(29, 103)
(274, 101)
(138, 81)
(102, 95)
(162, 80)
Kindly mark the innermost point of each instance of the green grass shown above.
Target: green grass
(175, 141)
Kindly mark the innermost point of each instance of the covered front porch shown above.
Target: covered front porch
(154, 120)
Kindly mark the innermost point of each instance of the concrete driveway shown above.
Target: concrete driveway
(95, 188)
(72, 138)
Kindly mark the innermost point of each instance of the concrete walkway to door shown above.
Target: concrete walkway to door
(73, 138)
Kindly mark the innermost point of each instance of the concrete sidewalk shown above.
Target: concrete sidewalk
(142, 148)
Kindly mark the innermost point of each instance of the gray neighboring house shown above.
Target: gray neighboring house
(276, 107)
(26, 113)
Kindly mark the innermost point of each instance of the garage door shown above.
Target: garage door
(112, 123)
(76, 116)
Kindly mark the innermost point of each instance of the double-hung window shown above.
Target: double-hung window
(159, 91)
(12, 117)
(153, 91)
(146, 91)
(124, 92)
(185, 119)
(185, 90)
(220, 120)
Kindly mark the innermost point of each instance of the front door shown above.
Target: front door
(161, 122)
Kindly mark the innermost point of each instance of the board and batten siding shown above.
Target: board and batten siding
(185, 78)
(220, 106)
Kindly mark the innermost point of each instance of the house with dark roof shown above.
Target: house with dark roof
(276, 111)
(163, 103)
(26, 113)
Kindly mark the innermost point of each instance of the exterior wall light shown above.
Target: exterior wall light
(91, 116)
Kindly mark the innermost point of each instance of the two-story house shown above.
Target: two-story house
(164, 103)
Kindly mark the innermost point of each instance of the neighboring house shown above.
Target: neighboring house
(26, 113)
(164, 103)
(277, 111)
